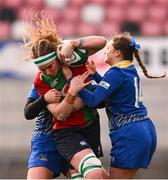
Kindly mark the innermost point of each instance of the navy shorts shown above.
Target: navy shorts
(69, 141)
(44, 153)
(133, 145)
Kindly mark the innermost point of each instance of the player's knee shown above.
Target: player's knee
(90, 164)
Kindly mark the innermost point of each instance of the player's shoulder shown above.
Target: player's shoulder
(114, 70)
(38, 79)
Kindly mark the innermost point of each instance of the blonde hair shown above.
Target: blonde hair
(43, 37)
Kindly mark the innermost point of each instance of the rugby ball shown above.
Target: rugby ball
(78, 58)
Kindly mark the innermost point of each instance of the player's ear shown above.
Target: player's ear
(117, 53)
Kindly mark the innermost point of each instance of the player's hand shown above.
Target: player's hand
(78, 104)
(78, 83)
(52, 96)
(66, 72)
(90, 65)
(60, 57)
(66, 51)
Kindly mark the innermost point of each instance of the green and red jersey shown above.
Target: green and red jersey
(80, 118)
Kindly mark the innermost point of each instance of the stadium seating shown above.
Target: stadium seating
(87, 13)
(152, 28)
(158, 12)
(121, 3)
(115, 14)
(15, 4)
(88, 16)
(71, 14)
(142, 3)
(109, 28)
(136, 14)
(5, 30)
(85, 29)
(66, 29)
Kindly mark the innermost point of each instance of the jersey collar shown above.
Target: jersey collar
(123, 64)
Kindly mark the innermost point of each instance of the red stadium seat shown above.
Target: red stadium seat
(115, 14)
(161, 2)
(135, 14)
(108, 29)
(38, 4)
(152, 28)
(5, 30)
(16, 4)
(157, 13)
(71, 14)
(66, 29)
(77, 3)
(85, 29)
(121, 3)
(142, 3)
(99, 2)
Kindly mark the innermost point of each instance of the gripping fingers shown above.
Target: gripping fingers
(86, 84)
(84, 76)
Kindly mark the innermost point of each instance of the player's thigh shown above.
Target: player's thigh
(39, 173)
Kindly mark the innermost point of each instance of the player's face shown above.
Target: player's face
(51, 68)
(109, 53)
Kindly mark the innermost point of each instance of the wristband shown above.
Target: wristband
(69, 98)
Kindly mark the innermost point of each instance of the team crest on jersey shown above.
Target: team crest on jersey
(54, 83)
(104, 84)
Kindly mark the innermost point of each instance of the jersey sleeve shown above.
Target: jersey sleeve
(33, 93)
(109, 83)
(40, 85)
(34, 105)
(97, 77)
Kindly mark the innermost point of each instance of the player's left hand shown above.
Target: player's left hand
(78, 83)
(67, 50)
(90, 65)
(67, 72)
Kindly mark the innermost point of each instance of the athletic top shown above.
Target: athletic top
(121, 88)
(36, 107)
(80, 118)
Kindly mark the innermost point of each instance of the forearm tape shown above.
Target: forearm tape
(33, 107)
(69, 98)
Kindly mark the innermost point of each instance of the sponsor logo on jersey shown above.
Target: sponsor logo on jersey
(104, 84)
(93, 82)
(83, 143)
(54, 83)
(43, 157)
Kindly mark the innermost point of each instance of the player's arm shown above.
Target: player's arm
(33, 107)
(61, 111)
(91, 43)
(110, 82)
(36, 103)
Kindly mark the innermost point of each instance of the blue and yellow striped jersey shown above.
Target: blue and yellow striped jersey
(120, 87)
